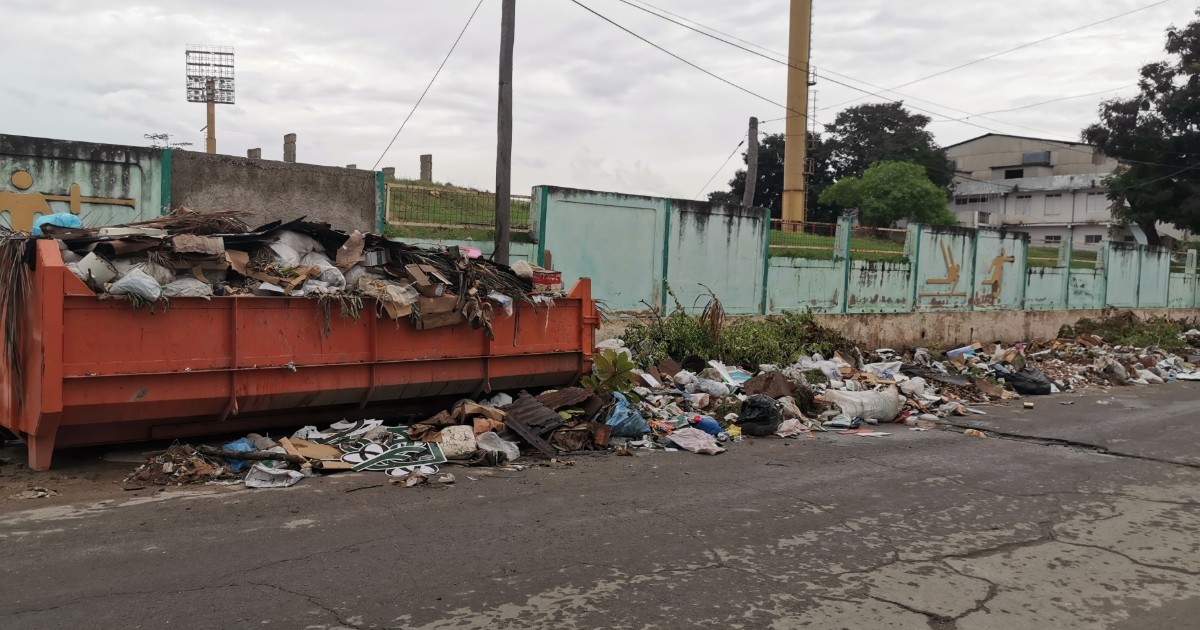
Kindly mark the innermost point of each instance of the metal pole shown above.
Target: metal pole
(211, 143)
(796, 143)
(508, 24)
(751, 164)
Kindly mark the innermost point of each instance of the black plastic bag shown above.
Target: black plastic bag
(1029, 382)
(760, 416)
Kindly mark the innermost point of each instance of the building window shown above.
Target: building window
(985, 218)
(1054, 204)
(1054, 240)
(1024, 204)
(1097, 202)
(1014, 173)
(1035, 158)
(1093, 239)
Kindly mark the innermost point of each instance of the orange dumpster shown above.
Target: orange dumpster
(100, 372)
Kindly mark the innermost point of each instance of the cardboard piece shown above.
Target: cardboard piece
(351, 252)
(439, 320)
(312, 450)
(428, 280)
(437, 305)
(192, 244)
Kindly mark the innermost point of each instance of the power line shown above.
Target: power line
(428, 87)
(1056, 100)
(1016, 48)
(686, 19)
(723, 165)
(677, 57)
(790, 65)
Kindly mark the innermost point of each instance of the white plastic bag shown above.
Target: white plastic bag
(614, 344)
(330, 274)
(495, 444)
(696, 441)
(262, 476)
(882, 405)
(302, 244)
(187, 287)
(914, 386)
(139, 283)
(285, 256)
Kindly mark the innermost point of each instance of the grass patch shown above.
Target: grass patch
(445, 205)
(1048, 257)
(817, 247)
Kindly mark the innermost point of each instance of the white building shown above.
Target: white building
(1049, 189)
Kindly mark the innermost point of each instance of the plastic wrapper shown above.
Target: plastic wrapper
(625, 420)
(139, 283)
(495, 444)
(882, 405)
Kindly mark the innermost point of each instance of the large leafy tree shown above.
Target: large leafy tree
(1156, 136)
(889, 192)
(857, 138)
(878, 132)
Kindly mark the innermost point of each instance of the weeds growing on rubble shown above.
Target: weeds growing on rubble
(1127, 329)
(748, 342)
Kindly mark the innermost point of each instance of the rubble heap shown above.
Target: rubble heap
(195, 254)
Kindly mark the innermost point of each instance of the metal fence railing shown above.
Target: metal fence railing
(1051, 252)
(446, 208)
(792, 239)
(797, 239)
(879, 244)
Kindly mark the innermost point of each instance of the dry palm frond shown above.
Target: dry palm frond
(14, 292)
(189, 221)
(712, 319)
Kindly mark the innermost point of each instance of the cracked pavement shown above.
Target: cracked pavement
(1084, 516)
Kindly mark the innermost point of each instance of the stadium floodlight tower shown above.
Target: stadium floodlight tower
(210, 80)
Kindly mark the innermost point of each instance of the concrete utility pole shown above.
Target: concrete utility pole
(508, 28)
(289, 147)
(427, 168)
(211, 143)
(751, 164)
(795, 189)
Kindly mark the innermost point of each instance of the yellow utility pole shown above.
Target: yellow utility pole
(795, 188)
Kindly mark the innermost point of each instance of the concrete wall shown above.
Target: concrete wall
(628, 244)
(952, 329)
(101, 183)
(635, 248)
(347, 199)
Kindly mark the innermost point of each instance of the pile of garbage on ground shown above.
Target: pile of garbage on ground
(706, 407)
(205, 254)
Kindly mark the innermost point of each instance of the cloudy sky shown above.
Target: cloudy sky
(595, 108)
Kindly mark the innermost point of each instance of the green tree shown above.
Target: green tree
(1156, 136)
(889, 192)
(859, 137)
(881, 132)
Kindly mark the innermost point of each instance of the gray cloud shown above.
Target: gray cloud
(594, 107)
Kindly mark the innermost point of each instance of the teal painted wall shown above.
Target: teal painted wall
(720, 247)
(1155, 277)
(1124, 271)
(946, 267)
(1086, 289)
(1044, 289)
(634, 247)
(801, 283)
(113, 184)
(880, 287)
(1000, 261)
(1182, 293)
(616, 240)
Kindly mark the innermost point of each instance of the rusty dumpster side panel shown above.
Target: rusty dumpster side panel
(101, 372)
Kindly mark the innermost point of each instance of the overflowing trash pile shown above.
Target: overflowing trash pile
(205, 254)
(640, 401)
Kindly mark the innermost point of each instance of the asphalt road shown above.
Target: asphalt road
(914, 530)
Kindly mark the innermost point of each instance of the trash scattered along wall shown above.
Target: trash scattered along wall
(635, 248)
(101, 184)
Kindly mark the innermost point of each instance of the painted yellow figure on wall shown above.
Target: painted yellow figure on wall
(997, 270)
(23, 207)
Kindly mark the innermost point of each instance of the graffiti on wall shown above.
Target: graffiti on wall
(24, 205)
(953, 269)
